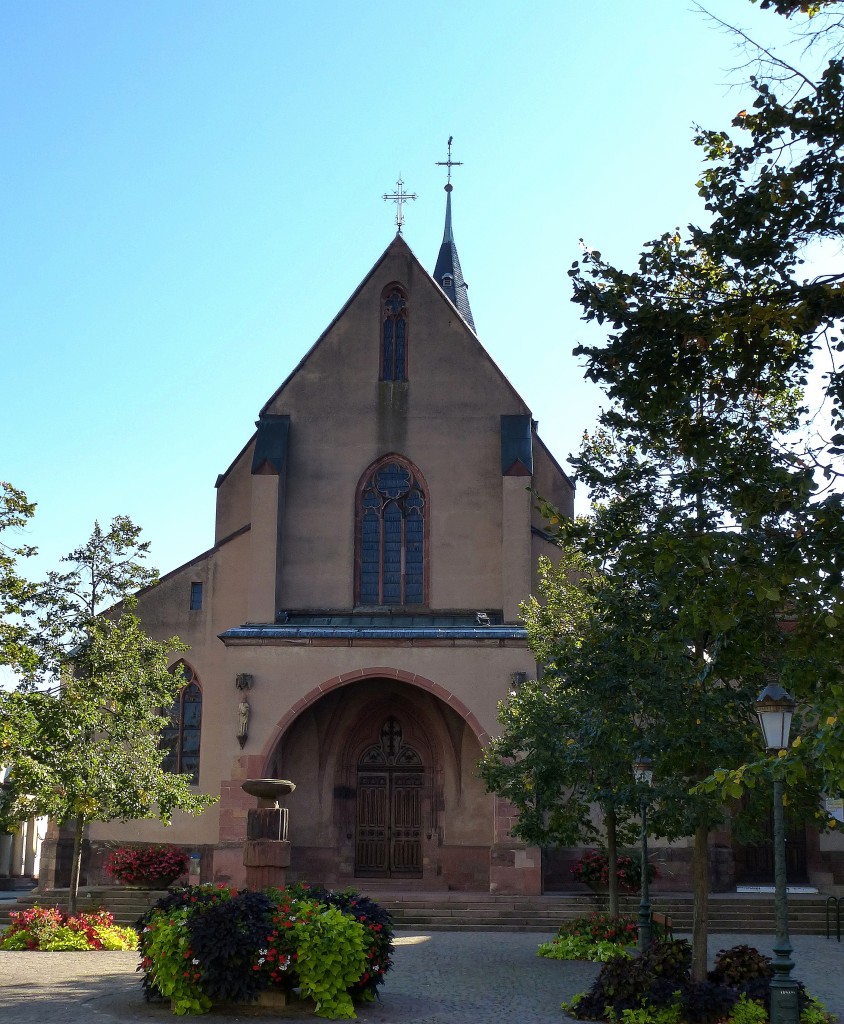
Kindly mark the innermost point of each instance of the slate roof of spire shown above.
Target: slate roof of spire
(448, 264)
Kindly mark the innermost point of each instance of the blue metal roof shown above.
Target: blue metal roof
(270, 631)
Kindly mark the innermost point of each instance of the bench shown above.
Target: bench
(664, 923)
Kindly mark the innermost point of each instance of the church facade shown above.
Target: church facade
(356, 622)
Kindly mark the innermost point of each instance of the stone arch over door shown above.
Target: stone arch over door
(434, 799)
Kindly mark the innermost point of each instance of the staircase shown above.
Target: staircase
(728, 912)
(475, 911)
(127, 905)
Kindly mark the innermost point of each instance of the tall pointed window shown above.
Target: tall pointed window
(181, 737)
(394, 333)
(391, 535)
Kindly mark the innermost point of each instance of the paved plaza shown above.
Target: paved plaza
(438, 977)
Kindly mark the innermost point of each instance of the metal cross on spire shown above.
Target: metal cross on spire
(399, 197)
(449, 163)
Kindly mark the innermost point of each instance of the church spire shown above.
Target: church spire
(447, 272)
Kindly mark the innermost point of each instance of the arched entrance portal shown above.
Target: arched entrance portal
(385, 789)
(388, 831)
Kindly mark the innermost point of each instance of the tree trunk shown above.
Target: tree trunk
(700, 913)
(612, 858)
(76, 866)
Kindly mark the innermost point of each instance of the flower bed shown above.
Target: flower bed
(206, 945)
(155, 867)
(656, 988)
(593, 869)
(48, 929)
(597, 937)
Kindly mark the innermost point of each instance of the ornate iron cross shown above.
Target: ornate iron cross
(449, 163)
(399, 197)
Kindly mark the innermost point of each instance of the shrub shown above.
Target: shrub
(593, 868)
(224, 939)
(656, 988)
(135, 865)
(707, 1001)
(652, 979)
(47, 928)
(739, 965)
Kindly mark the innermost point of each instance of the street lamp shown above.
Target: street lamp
(775, 709)
(643, 774)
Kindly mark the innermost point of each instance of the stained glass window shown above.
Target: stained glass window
(391, 538)
(394, 334)
(181, 737)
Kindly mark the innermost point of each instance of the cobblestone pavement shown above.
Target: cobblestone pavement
(439, 977)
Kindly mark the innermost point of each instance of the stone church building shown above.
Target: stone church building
(355, 622)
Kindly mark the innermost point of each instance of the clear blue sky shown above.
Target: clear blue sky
(192, 189)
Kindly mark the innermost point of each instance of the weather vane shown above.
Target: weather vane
(399, 197)
(449, 163)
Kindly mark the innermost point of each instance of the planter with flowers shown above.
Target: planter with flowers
(212, 946)
(147, 867)
(593, 869)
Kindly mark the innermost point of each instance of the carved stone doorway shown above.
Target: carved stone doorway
(390, 784)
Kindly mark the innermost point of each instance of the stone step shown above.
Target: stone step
(481, 911)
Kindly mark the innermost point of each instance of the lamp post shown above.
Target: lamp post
(775, 709)
(643, 774)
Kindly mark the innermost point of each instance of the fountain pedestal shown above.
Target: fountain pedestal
(266, 855)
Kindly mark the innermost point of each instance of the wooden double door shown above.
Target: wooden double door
(755, 861)
(390, 788)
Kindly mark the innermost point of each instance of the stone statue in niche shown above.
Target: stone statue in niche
(244, 710)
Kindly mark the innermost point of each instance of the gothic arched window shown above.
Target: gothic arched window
(391, 535)
(394, 333)
(181, 737)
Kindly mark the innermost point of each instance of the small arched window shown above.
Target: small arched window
(391, 535)
(182, 736)
(394, 333)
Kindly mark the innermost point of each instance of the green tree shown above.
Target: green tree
(566, 738)
(707, 487)
(15, 591)
(82, 734)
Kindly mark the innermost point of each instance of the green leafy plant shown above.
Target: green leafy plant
(813, 1013)
(748, 1011)
(332, 958)
(651, 1015)
(572, 947)
(169, 964)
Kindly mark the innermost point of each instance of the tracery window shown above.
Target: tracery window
(394, 334)
(181, 737)
(391, 535)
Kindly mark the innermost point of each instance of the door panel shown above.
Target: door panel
(406, 824)
(371, 847)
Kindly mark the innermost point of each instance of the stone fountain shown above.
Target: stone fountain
(266, 855)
